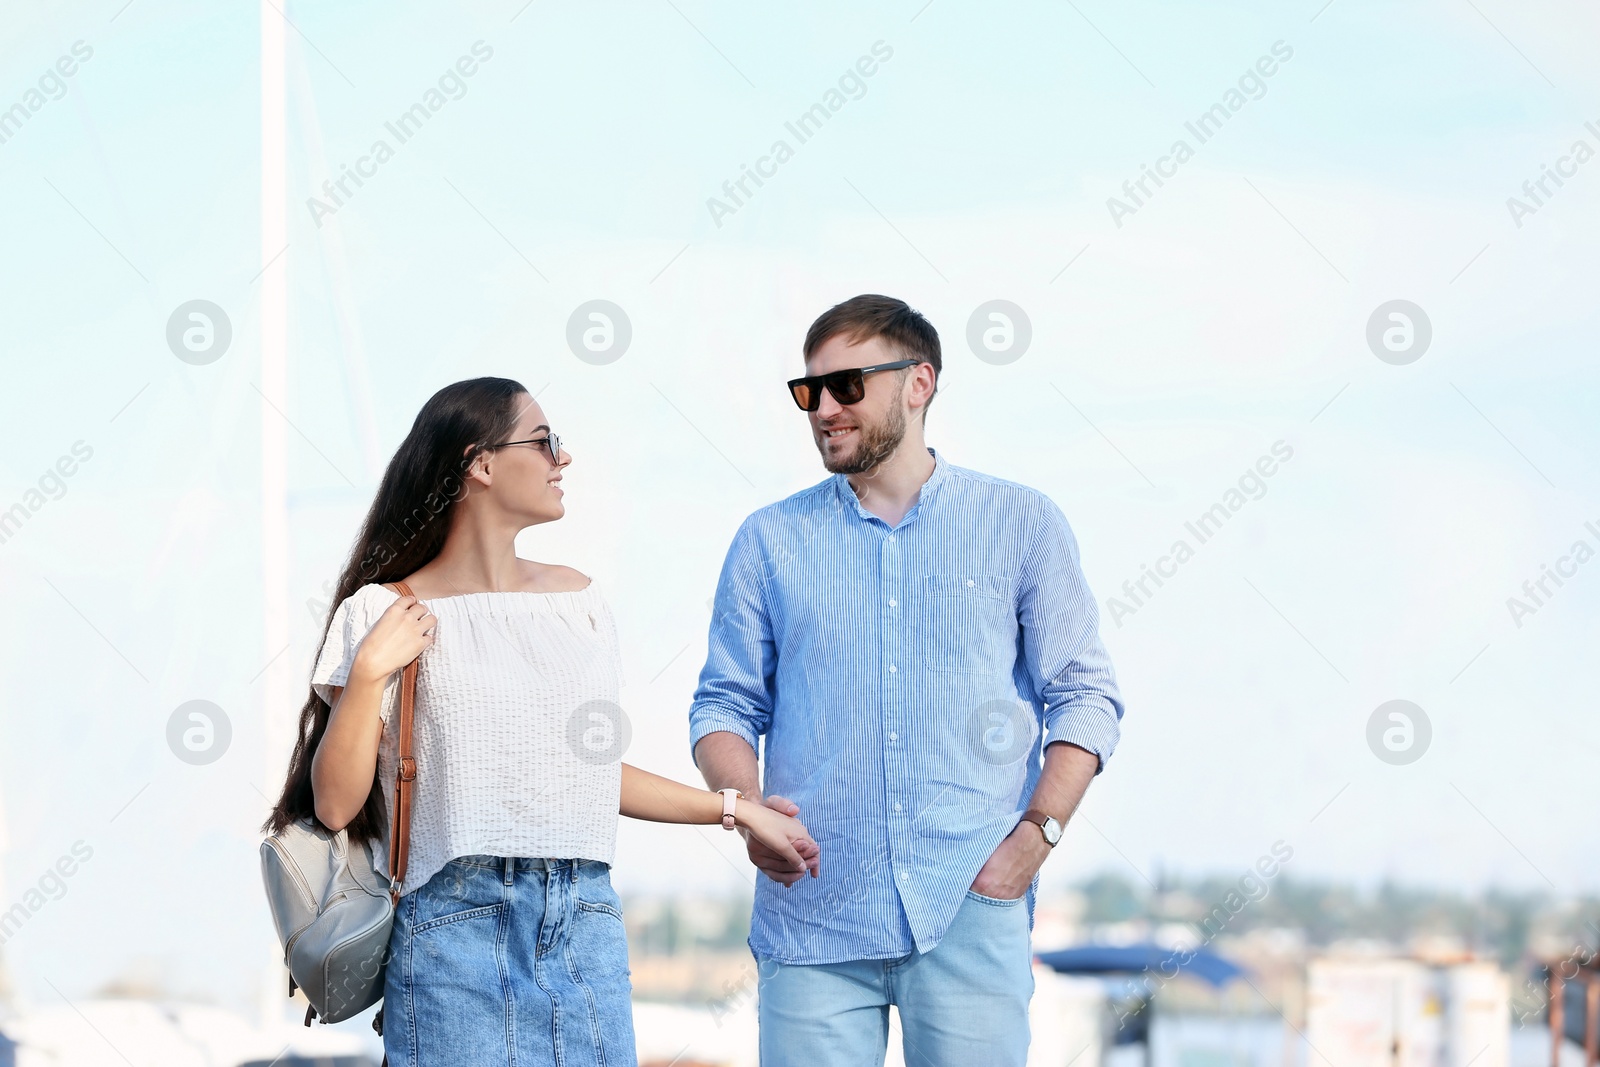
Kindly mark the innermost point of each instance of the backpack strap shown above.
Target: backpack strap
(405, 775)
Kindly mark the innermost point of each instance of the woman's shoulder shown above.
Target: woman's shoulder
(352, 619)
(370, 599)
(554, 578)
(565, 589)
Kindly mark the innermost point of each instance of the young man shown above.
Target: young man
(906, 635)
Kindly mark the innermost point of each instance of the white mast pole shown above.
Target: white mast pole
(278, 710)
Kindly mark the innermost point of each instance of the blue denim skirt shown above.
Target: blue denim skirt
(509, 962)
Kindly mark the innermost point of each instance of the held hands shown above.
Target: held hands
(399, 636)
(1006, 874)
(777, 842)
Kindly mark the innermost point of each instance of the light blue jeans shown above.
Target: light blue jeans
(497, 962)
(962, 1004)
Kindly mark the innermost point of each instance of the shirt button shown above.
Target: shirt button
(897, 805)
(905, 876)
(893, 668)
(891, 539)
(893, 736)
(971, 582)
(893, 602)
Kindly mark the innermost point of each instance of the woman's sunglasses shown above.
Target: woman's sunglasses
(847, 386)
(549, 441)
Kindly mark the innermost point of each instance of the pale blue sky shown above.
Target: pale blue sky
(1174, 351)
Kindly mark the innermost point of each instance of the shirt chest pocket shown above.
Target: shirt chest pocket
(969, 623)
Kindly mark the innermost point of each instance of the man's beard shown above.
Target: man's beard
(876, 444)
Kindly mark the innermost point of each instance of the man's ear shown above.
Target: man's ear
(918, 379)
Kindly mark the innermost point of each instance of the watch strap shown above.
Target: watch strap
(1034, 815)
(729, 796)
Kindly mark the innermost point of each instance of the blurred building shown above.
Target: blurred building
(1393, 1012)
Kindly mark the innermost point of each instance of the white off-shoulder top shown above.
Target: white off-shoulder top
(518, 734)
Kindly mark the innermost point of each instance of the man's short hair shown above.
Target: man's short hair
(870, 315)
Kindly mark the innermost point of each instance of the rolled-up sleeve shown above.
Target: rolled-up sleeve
(736, 692)
(1060, 622)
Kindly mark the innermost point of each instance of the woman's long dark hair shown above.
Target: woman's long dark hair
(405, 528)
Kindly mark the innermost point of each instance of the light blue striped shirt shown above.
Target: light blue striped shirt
(905, 680)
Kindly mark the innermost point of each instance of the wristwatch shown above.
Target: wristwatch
(1047, 825)
(728, 797)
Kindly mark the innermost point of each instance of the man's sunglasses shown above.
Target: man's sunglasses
(847, 386)
(548, 441)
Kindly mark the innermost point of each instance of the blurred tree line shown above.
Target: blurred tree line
(1497, 924)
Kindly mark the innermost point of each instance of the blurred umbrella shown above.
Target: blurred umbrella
(1137, 959)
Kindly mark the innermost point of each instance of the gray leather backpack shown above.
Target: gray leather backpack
(332, 915)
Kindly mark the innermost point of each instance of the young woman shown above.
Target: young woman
(508, 944)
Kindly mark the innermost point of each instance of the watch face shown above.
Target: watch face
(1052, 831)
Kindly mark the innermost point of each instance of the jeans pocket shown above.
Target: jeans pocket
(995, 902)
(593, 889)
(458, 892)
(598, 939)
(487, 912)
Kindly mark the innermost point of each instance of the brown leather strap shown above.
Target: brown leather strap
(1034, 815)
(406, 774)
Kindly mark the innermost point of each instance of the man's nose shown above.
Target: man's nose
(828, 407)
